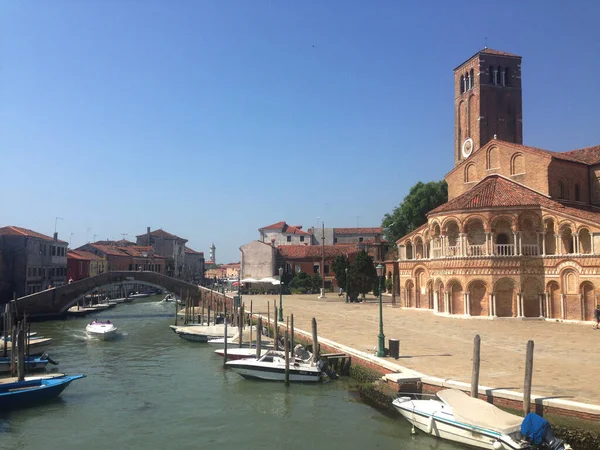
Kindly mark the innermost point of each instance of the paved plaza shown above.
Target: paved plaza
(565, 358)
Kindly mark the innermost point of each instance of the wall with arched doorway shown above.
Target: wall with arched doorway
(505, 298)
(478, 298)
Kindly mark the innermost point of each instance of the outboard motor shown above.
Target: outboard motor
(220, 320)
(537, 430)
(323, 366)
(46, 356)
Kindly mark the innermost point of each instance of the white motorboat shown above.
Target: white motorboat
(37, 345)
(457, 417)
(203, 333)
(117, 301)
(102, 330)
(271, 367)
(138, 295)
(240, 353)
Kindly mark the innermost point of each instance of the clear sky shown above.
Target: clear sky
(210, 119)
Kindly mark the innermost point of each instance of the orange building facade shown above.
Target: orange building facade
(520, 234)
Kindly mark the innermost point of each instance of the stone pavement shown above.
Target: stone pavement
(565, 357)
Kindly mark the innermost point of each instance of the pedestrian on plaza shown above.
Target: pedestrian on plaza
(597, 316)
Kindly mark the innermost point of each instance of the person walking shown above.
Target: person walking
(597, 317)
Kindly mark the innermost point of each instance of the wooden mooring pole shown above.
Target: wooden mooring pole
(226, 338)
(21, 350)
(292, 331)
(475, 373)
(528, 378)
(287, 358)
(269, 319)
(241, 326)
(259, 338)
(276, 330)
(315, 339)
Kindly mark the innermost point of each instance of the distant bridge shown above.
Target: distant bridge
(55, 302)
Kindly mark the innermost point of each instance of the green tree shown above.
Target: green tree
(362, 275)
(410, 214)
(339, 266)
(302, 283)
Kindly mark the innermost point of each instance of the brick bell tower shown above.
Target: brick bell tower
(487, 101)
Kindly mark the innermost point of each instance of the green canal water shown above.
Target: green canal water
(149, 389)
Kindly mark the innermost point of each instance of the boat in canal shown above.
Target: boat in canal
(31, 363)
(240, 353)
(21, 393)
(271, 367)
(36, 345)
(455, 416)
(203, 333)
(117, 301)
(104, 330)
(139, 295)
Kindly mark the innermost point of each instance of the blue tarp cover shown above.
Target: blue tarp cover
(533, 428)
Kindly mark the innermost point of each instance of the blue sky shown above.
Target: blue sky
(212, 119)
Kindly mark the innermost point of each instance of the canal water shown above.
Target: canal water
(149, 389)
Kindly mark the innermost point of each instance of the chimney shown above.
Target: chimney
(55, 236)
(148, 233)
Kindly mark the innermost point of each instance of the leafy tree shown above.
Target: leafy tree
(339, 266)
(410, 214)
(303, 283)
(361, 275)
(389, 282)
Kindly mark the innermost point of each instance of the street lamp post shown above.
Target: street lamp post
(346, 270)
(381, 348)
(280, 297)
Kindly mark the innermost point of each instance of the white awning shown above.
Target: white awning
(249, 280)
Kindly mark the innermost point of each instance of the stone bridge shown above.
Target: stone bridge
(55, 302)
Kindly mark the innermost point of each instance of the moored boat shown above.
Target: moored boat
(139, 295)
(31, 363)
(240, 353)
(457, 417)
(20, 393)
(116, 301)
(103, 330)
(36, 345)
(203, 333)
(271, 367)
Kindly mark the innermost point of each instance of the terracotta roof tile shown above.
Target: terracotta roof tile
(315, 251)
(160, 233)
(374, 230)
(495, 191)
(275, 226)
(192, 251)
(589, 155)
(18, 231)
(295, 230)
(83, 255)
(491, 51)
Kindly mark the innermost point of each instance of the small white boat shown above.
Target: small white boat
(102, 330)
(271, 367)
(240, 353)
(116, 301)
(457, 417)
(138, 295)
(37, 345)
(203, 333)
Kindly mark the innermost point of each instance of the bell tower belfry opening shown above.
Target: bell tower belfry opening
(487, 101)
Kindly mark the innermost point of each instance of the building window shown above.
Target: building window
(472, 78)
(507, 77)
(577, 193)
(301, 238)
(495, 76)
(462, 84)
(130, 266)
(315, 268)
(502, 77)
(298, 269)
(289, 238)
(326, 269)
(561, 190)
(335, 239)
(53, 250)
(360, 239)
(491, 75)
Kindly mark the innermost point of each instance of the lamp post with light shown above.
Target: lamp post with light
(381, 348)
(346, 270)
(280, 297)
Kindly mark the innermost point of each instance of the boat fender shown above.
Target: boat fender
(413, 431)
(497, 445)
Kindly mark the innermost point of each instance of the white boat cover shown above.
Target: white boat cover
(480, 413)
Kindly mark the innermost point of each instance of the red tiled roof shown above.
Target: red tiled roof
(192, 252)
(589, 155)
(160, 233)
(209, 262)
(415, 231)
(374, 230)
(315, 251)
(495, 191)
(275, 226)
(18, 231)
(108, 249)
(83, 255)
(289, 229)
(121, 242)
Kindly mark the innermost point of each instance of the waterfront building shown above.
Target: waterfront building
(126, 258)
(31, 261)
(193, 265)
(520, 234)
(82, 264)
(169, 246)
(262, 258)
